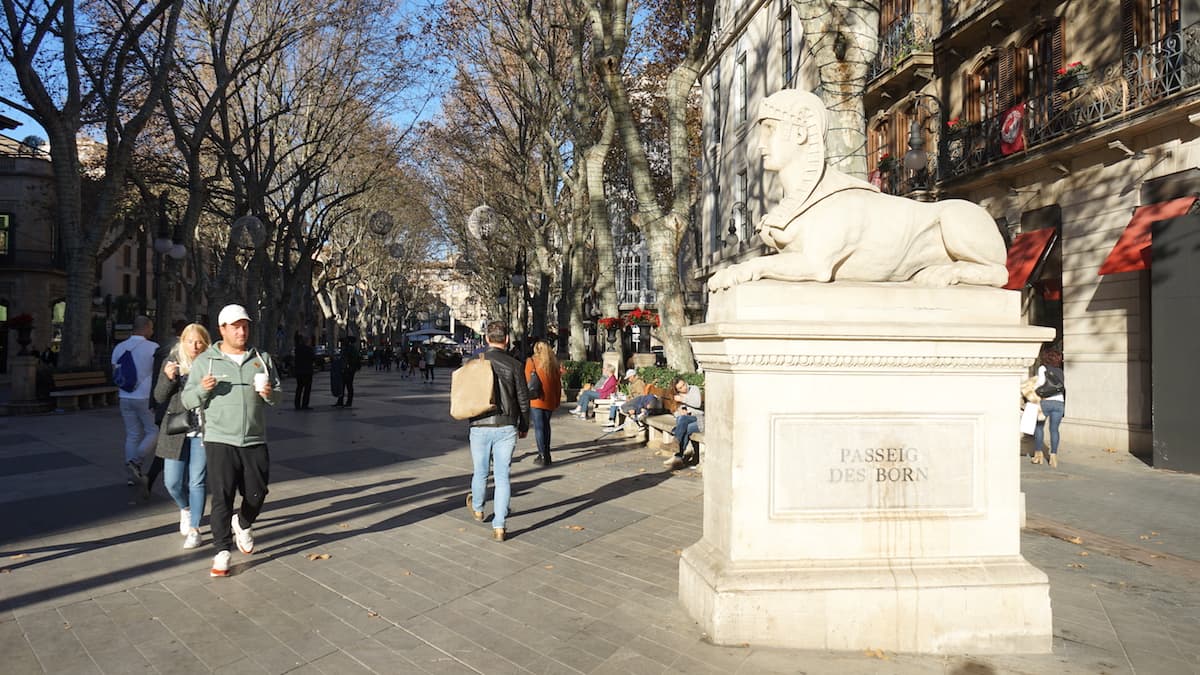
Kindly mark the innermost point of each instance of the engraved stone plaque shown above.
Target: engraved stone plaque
(881, 464)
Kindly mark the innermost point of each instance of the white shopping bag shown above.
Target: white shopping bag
(1029, 418)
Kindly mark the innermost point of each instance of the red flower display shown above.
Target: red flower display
(642, 317)
(609, 323)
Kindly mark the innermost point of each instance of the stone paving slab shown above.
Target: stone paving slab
(94, 580)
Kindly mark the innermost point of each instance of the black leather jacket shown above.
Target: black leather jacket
(512, 393)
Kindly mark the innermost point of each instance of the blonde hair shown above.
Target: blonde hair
(544, 358)
(180, 354)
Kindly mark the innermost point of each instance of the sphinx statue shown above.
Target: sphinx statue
(830, 226)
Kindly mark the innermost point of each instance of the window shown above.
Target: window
(982, 92)
(743, 89)
(127, 256)
(892, 12)
(715, 98)
(879, 143)
(785, 31)
(5, 234)
(126, 284)
(1146, 22)
(1035, 67)
(740, 221)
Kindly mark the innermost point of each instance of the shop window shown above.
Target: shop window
(5, 234)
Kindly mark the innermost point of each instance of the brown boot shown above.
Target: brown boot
(498, 534)
(1037, 457)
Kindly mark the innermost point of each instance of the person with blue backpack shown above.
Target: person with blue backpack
(133, 370)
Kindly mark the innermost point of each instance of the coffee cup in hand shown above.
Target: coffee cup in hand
(260, 381)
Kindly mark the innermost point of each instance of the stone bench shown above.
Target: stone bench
(662, 426)
(75, 391)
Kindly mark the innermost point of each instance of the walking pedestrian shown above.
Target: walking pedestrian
(430, 362)
(351, 362)
(302, 367)
(1051, 386)
(544, 378)
(134, 357)
(234, 383)
(494, 434)
(180, 446)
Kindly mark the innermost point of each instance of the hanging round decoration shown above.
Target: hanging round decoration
(380, 223)
(248, 232)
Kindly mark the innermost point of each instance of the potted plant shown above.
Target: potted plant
(886, 163)
(611, 325)
(23, 324)
(1071, 76)
(642, 320)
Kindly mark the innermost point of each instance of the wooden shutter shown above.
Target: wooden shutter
(1005, 79)
(1020, 78)
(1057, 47)
(1130, 9)
(970, 98)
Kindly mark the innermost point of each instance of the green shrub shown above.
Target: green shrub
(662, 377)
(577, 373)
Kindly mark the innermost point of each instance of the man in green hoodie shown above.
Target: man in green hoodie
(232, 383)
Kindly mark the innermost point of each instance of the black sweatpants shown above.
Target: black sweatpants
(233, 469)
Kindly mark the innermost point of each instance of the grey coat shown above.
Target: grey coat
(166, 392)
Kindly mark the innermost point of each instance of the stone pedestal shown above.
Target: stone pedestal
(23, 399)
(612, 359)
(861, 479)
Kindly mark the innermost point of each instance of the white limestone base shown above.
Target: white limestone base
(862, 472)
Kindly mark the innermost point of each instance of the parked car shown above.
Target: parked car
(321, 357)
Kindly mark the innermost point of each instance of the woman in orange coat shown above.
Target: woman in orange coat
(544, 395)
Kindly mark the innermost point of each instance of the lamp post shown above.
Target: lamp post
(916, 159)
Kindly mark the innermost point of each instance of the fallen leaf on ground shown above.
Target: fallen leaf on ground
(1153, 534)
(1075, 540)
(18, 556)
(678, 551)
(66, 626)
(1143, 537)
(407, 573)
(317, 556)
(462, 529)
(343, 525)
(641, 471)
(876, 654)
(576, 528)
(1110, 450)
(548, 567)
(1155, 555)
(1083, 553)
(5, 571)
(373, 615)
(1077, 566)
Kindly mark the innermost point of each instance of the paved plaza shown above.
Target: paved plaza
(367, 560)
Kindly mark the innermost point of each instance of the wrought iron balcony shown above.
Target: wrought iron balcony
(1124, 90)
(910, 35)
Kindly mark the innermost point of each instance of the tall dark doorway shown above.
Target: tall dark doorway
(1175, 322)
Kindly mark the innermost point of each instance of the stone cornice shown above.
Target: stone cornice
(836, 361)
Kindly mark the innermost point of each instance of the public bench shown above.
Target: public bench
(74, 391)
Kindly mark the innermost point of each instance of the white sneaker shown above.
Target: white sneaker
(244, 538)
(193, 540)
(185, 521)
(220, 566)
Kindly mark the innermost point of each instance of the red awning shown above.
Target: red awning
(1024, 254)
(1132, 251)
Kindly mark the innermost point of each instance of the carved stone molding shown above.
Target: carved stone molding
(835, 361)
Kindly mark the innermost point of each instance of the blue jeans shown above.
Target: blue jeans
(1054, 412)
(140, 430)
(541, 430)
(586, 398)
(192, 463)
(633, 406)
(496, 443)
(685, 426)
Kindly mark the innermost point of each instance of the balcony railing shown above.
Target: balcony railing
(39, 260)
(1134, 85)
(905, 37)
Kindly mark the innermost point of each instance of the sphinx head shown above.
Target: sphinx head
(789, 121)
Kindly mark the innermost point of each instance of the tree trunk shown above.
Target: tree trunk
(842, 82)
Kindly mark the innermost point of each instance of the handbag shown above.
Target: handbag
(535, 385)
(1029, 419)
(1053, 386)
(175, 423)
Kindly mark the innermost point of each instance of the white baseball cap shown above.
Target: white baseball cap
(630, 373)
(232, 314)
